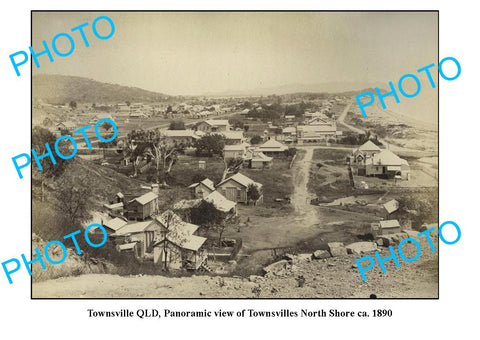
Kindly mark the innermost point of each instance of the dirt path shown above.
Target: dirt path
(301, 197)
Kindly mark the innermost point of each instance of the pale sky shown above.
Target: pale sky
(197, 53)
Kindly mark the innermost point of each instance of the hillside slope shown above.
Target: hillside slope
(57, 89)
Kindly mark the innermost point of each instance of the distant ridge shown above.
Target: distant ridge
(327, 87)
(58, 89)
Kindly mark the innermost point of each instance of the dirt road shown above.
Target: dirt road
(300, 171)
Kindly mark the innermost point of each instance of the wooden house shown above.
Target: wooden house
(213, 125)
(272, 147)
(235, 188)
(142, 207)
(387, 165)
(176, 246)
(201, 189)
(113, 225)
(235, 151)
(136, 237)
(360, 155)
(386, 227)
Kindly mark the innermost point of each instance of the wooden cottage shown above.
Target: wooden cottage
(176, 246)
(142, 207)
(202, 189)
(235, 188)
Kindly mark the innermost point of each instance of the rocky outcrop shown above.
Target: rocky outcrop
(359, 248)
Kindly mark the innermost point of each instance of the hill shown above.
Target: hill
(324, 87)
(57, 89)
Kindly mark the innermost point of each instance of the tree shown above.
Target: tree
(73, 105)
(41, 136)
(231, 166)
(134, 147)
(290, 152)
(127, 102)
(214, 220)
(47, 122)
(253, 193)
(420, 208)
(106, 126)
(165, 155)
(104, 145)
(73, 201)
(177, 125)
(256, 139)
(154, 144)
(236, 123)
(209, 145)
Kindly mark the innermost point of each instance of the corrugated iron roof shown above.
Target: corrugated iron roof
(127, 246)
(242, 180)
(146, 198)
(272, 145)
(220, 202)
(136, 227)
(391, 206)
(387, 224)
(115, 223)
(369, 146)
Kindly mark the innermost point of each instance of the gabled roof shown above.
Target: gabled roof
(190, 242)
(115, 223)
(216, 122)
(220, 202)
(187, 204)
(259, 156)
(193, 242)
(179, 232)
(391, 206)
(232, 134)
(180, 133)
(114, 206)
(168, 218)
(272, 145)
(241, 179)
(386, 157)
(133, 228)
(317, 128)
(68, 124)
(207, 182)
(389, 224)
(235, 147)
(369, 146)
(145, 198)
(127, 246)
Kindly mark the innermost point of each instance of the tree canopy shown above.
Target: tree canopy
(209, 145)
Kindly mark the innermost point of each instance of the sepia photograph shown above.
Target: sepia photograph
(234, 155)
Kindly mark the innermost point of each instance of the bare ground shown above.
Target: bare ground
(331, 278)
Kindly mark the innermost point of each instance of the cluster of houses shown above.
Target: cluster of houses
(236, 145)
(141, 110)
(315, 128)
(234, 188)
(168, 238)
(370, 160)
